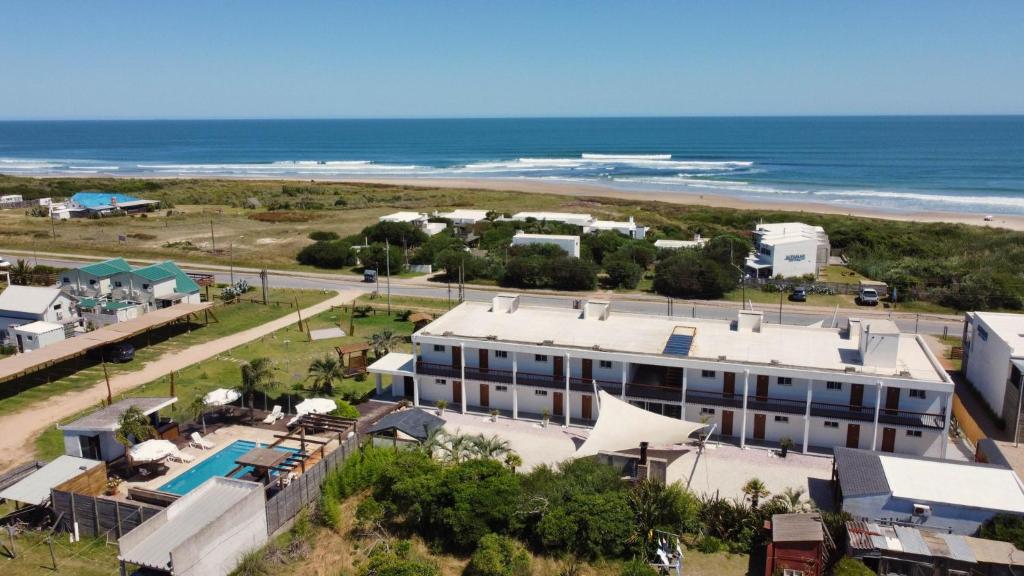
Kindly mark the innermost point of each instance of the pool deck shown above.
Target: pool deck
(220, 438)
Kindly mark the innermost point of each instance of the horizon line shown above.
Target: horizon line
(498, 117)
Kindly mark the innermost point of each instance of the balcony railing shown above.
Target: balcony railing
(651, 392)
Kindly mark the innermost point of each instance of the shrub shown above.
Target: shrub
(689, 274)
(851, 567)
(637, 567)
(323, 235)
(396, 564)
(622, 271)
(1005, 527)
(498, 555)
(397, 233)
(376, 257)
(328, 511)
(330, 254)
(346, 410)
(710, 545)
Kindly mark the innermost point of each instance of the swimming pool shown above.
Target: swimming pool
(220, 464)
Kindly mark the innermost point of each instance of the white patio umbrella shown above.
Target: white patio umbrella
(152, 450)
(221, 397)
(313, 406)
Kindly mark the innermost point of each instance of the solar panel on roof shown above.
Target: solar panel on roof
(679, 344)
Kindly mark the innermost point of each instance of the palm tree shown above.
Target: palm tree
(491, 447)
(382, 342)
(324, 372)
(435, 441)
(513, 461)
(133, 426)
(755, 489)
(457, 448)
(196, 409)
(21, 272)
(792, 498)
(257, 376)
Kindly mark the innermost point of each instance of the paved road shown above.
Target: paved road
(791, 313)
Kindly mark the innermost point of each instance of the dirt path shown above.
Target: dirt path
(19, 430)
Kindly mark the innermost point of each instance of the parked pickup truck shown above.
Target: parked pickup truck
(867, 297)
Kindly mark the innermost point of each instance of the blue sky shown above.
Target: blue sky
(187, 59)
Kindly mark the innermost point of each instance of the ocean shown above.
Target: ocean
(951, 164)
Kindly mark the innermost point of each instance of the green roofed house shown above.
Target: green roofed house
(114, 291)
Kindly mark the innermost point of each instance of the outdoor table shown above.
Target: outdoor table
(263, 460)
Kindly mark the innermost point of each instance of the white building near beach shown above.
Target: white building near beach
(564, 217)
(463, 217)
(626, 228)
(993, 361)
(570, 244)
(865, 386)
(788, 249)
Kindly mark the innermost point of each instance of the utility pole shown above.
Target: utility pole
(387, 259)
(213, 240)
(231, 261)
(780, 306)
(53, 227)
(106, 377)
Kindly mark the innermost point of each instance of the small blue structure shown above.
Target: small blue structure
(102, 203)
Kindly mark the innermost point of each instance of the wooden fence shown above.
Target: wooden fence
(97, 516)
(287, 503)
(972, 431)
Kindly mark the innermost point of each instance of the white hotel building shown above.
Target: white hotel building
(867, 386)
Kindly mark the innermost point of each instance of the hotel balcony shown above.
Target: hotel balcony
(500, 376)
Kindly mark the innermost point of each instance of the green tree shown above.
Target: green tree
(383, 342)
(573, 274)
(21, 272)
(498, 555)
(401, 234)
(323, 373)
(1006, 528)
(327, 254)
(257, 376)
(493, 447)
(133, 427)
(688, 274)
(375, 257)
(755, 490)
(622, 271)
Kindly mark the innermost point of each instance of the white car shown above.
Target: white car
(4, 264)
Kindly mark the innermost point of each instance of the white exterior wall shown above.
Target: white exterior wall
(794, 258)
(571, 246)
(988, 366)
(33, 341)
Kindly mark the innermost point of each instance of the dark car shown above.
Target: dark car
(120, 352)
(798, 295)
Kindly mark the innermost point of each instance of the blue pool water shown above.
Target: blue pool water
(220, 464)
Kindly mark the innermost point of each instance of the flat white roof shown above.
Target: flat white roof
(670, 244)
(403, 217)
(546, 236)
(397, 363)
(1009, 328)
(554, 216)
(35, 488)
(464, 214)
(39, 327)
(611, 224)
(810, 347)
(986, 487)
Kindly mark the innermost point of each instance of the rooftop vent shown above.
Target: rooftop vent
(905, 373)
(595, 347)
(548, 342)
(721, 356)
(749, 321)
(774, 362)
(596, 309)
(507, 303)
(448, 333)
(850, 369)
(492, 337)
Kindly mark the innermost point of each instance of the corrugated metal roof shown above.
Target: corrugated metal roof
(797, 528)
(860, 472)
(958, 548)
(107, 267)
(27, 299)
(154, 272)
(911, 541)
(414, 422)
(105, 419)
(35, 488)
(185, 518)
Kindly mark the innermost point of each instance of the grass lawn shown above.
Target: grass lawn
(840, 275)
(90, 557)
(291, 353)
(772, 298)
(85, 372)
(408, 303)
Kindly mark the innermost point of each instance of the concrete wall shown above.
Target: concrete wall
(217, 548)
(34, 341)
(794, 258)
(989, 365)
(110, 448)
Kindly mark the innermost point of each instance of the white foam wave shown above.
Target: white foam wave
(1001, 201)
(625, 157)
(97, 168)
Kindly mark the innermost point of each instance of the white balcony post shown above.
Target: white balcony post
(378, 380)
(682, 407)
(807, 413)
(416, 348)
(945, 424)
(743, 423)
(415, 390)
(515, 387)
(878, 405)
(462, 376)
(625, 374)
(565, 401)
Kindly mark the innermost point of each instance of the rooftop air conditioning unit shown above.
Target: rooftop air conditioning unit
(922, 510)
(721, 356)
(492, 337)
(595, 347)
(447, 333)
(774, 362)
(548, 342)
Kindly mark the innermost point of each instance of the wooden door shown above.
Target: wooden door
(559, 404)
(856, 397)
(892, 401)
(587, 415)
(484, 356)
(853, 435)
(762, 388)
(729, 385)
(407, 388)
(726, 422)
(759, 422)
(457, 392)
(587, 369)
(888, 439)
(485, 395)
(559, 363)
(456, 356)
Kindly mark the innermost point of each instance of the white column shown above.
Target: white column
(462, 375)
(807, 413)
(416, 348)
(682, 408)
(878, 405)
(743, 423)
(945, 425)
(566, 404)
(625, 374)
(415, 390)
(378, 380)
(515, 387)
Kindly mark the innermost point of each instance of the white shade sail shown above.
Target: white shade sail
(152, 450)
(221, 397)
(621, 426)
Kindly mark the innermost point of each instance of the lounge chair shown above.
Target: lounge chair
(180, 456)
(274, 416)
(197, 441)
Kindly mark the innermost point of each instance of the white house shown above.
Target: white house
(627, 228)
(11, 201)
(37, 335)
(571, 244)
(564, 217)
(21, 305)
(993, 361)
(788, 249)
(667, 244)
(866, 385)
(463, 217)
(415, 218)
(94, 435)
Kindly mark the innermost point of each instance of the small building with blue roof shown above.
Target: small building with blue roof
(101, 203)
